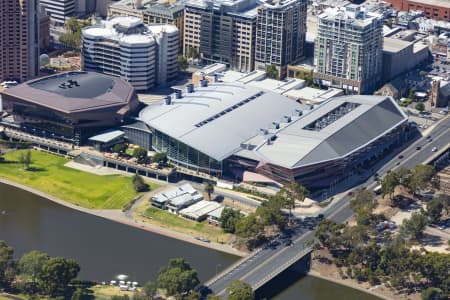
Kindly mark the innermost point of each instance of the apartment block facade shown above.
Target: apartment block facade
(19, 39)
(349, 50)
(280, 34)
(221, 31)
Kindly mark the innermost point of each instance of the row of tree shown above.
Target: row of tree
(72, 37)
(362, 254)
(36, 272)
(420, 178)
(268, 219)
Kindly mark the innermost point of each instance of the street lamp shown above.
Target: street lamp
(218, 265)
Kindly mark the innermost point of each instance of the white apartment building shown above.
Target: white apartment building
(348, 49)
(144, 56)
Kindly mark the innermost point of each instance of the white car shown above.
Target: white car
(434, 149)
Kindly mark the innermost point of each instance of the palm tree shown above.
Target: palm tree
(209, 189)
(290, 193)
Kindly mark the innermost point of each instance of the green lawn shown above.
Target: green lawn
(48, 174)
(174, 222)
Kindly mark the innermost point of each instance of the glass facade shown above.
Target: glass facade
(185, 156)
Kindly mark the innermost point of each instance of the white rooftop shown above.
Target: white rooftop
(200, 209)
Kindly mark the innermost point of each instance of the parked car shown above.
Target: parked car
(434, 149)
(418, 148)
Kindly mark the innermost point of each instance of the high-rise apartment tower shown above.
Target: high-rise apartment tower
(280, 34)
(19, 39)
(348, 50)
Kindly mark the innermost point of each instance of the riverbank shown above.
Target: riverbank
(323, 268)
(117, 215)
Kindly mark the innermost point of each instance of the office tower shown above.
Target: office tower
(280, 34)
(60, 10)
(144, 56)
(348, 50)
(19, 39)
(221, 31)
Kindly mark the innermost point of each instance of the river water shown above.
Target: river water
(104, 248)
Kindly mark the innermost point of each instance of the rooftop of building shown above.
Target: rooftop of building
(216, 119)
(440, 3)
(333, 130)
(243, 8)
(393, 45)
(74, 91)
(130, 30)
(351, 13)
(313, 95)
(162, 6)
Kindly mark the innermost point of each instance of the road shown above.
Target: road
(255, 268)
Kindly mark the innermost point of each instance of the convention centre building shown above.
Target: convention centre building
(227, 129)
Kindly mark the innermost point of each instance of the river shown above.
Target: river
(104, 248)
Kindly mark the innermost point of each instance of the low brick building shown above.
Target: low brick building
(434, 9)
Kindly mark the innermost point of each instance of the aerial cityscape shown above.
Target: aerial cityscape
(224, 149)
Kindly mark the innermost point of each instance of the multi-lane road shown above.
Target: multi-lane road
(266, 262)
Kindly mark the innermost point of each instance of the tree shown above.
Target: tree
(209, 189)
(271, 71)
(140, 153)
(160, 158)
(240, 290)
(422, 73)
(445, 200)
(149, 289)
(434, 209)
(213, 297)
(72, 37)
(56, 274)
(177, 278)
(388, 184)
(423, 177)
(183, 63)
(116, 297)
(31, 263)
(6, 256)
(412, 93)
(119, 148)
(431, 293)
(25, 159)
(414, 226)
(290, 193)
(192, 53)
(420, 106)
(229, 218)
(138, 183)
(363, 201)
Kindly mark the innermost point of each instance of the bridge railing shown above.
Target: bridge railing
(226, 271)
(282, 268)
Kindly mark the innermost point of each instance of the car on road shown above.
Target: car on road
(350, 193)
(443, 112)
(418, 148)
(400, 156)
(434, 149)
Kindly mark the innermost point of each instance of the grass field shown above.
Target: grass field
(48, 174)
(173, 222)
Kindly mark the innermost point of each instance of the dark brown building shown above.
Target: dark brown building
(19, 39)
(71, 106)
(434, 9)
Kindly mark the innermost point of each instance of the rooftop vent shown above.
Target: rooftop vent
(288, 119)
(204, 82)
(276, 125)
(264, 131)
(298, 112)
(178, 94)
(168, 100)
(190, 88)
